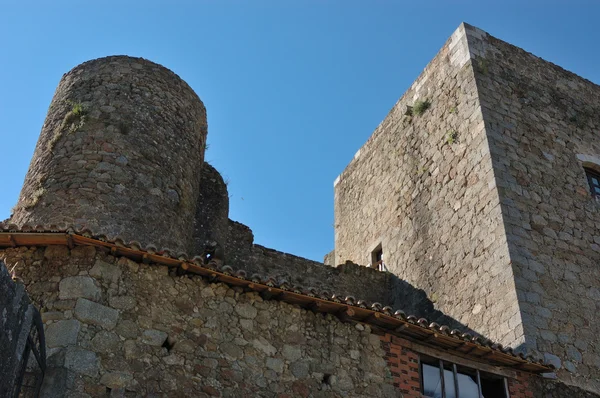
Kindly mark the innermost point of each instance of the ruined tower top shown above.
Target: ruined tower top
(119, 153)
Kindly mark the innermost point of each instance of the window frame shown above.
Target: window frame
(447, 365)
(590, 174)
(376, 257)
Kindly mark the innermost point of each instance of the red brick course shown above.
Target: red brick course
(519, 387)
(403, 364)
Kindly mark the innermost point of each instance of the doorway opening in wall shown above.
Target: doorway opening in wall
(443, 379)
(377, 258)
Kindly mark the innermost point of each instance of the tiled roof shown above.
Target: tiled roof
(347, 308)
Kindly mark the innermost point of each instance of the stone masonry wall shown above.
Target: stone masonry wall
(543, 124)
(119, 153)
(423, 187)
(17, 318)
(118, 328)
(345, 280)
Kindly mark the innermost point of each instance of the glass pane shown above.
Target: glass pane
(467, 386)
(432, 382)
(595, 181)
(597, 189)
(449, 384)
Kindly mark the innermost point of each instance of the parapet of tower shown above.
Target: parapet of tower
(120, 153)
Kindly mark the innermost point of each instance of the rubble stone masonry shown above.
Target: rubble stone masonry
(482, 201)
(543, 126)
(120, 153)
(118, 328)
(423, 188)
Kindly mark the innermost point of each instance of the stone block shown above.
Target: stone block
(78, 286)
(106, 271)
(552, 360)
(62, 333)
(246, 310)
(106, 342)
(82, 361)
(122, 302)
(154, 337)
(116, 379)
(96, 314)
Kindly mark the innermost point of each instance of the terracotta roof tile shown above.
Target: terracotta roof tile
(434, 333)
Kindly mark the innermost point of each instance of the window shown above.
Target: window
(593, 178)
(443, 379)
(377, 259)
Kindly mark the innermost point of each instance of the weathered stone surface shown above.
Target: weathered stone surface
(154, 337)
(82, 361)
(122, 302)
(62, 333)
(96, 314)
(482, 199)
(116, 379)
(105, 271)
(231, 340)
(91, 167)
(105, 342)
(246, 310)
(78, 286)
(127, 328)
(16, 317)
(422, 189)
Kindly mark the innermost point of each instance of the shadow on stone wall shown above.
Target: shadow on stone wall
(22, 346)
(544, 388)
(349, 279)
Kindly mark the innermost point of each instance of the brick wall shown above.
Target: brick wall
(520, 387)
(403, 365)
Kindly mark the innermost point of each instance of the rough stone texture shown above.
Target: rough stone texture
(345, 279)
(16, 317)
(543, 388)
(127, 163)
(187, 337)
(423, 187)
(329, 258)
(482, 201)
(78, 286)
(212, 210)
(62, 333)
(542, 124)
(96, 314)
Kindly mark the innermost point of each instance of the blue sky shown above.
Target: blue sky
(292, 88)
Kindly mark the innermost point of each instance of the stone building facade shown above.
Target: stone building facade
(147, 288)
(474, 189)
(121, 321)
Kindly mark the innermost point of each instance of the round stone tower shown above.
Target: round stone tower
(120, 153)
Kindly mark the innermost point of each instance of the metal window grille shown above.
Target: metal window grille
(593, 178)
(442, 379)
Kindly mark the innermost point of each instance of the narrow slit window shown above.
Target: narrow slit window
(377, 259)
(593, 178)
